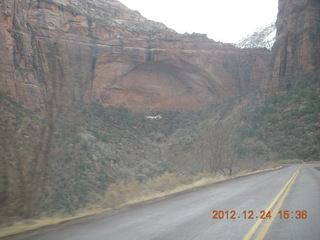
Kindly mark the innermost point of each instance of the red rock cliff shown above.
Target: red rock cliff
(297, 48)
(55, 52)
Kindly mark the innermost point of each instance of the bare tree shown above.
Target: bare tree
(216, 147)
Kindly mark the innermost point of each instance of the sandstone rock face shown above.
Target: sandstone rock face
(176, 71)
(55, 51)
(297, 48)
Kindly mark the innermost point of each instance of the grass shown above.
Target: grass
(124, 194)
(291, 161)
(33, 224)
(281, 163)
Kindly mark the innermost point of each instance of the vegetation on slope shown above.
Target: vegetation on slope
(287, 124)
(65, 159)
(248, 132)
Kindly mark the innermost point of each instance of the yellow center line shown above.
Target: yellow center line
(267, 225)
(285, 189)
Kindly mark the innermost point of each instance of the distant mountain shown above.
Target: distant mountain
(262, 38)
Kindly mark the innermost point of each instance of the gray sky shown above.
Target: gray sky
(221, 20)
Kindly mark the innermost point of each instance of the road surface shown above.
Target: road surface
(291, 193)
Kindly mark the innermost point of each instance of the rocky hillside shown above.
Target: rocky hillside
(262, 38)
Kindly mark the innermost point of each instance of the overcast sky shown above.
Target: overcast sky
(221, 20)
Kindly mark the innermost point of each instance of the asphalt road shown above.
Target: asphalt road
(294, 189)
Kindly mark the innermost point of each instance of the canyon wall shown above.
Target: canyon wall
(54, 52)
(297, 48)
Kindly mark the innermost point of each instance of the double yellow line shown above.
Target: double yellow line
(282, 196)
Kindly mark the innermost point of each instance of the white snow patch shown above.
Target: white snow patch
(156, 117)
